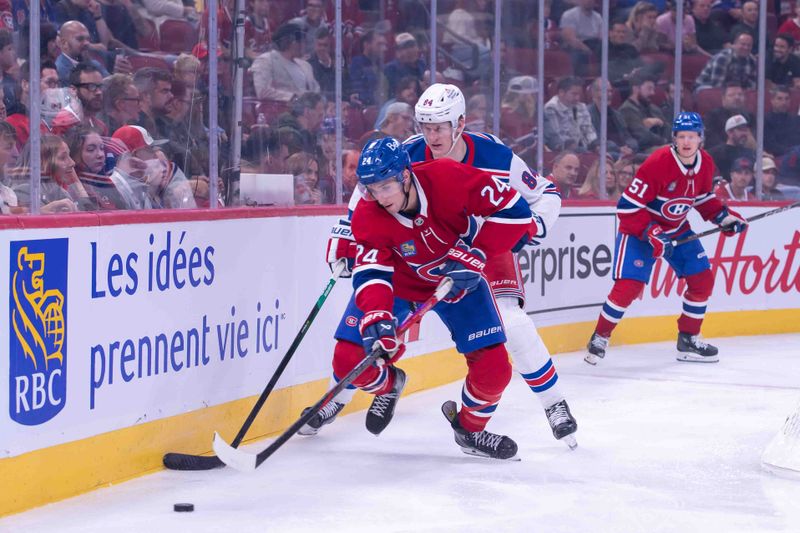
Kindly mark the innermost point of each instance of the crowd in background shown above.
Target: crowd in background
(124, 86)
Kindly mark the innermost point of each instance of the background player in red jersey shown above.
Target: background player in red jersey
(408, 238)
(652, 213)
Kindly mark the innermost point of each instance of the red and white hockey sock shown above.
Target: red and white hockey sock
(487, 376)
(346, 356)
(695, 299)
(619, 299)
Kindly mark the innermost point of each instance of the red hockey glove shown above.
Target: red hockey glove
(730, 221)
(662, 245)
(378, 332)
(464, 266)
(341, 245)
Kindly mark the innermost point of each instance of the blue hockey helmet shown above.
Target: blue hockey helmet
(688, 121)
(382, 159)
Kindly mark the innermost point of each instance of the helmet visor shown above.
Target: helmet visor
(382, 189)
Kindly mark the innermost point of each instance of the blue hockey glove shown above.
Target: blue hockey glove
(378, 332)
(464, 266)
(730, 221)
(662, 245)
(341, 245)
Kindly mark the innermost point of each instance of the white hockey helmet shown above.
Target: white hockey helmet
(441, 102)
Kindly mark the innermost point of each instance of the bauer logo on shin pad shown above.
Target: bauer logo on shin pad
(37, 333)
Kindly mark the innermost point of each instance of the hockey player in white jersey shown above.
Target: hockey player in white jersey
(440, 114)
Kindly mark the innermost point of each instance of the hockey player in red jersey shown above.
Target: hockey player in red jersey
(652, 214)
(440, 114)
(408, 237)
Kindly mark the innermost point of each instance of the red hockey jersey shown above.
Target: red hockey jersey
(664, 190)
(397, 254)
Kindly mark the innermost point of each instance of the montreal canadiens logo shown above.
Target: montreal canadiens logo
(430, 271)
(676, 209)
(351, 321)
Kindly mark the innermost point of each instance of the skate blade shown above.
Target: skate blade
(477, 453)
(689, 357)
(592, 359)
(570, 441)
(308, 431)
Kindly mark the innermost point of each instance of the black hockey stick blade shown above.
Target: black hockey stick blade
(751, 219)
(185, 461)
(247, 462)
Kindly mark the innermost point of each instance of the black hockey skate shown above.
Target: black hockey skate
(479, 443)
(562, 423)
(596, 349)
(326, 415)
(382, 409)
(693, 350)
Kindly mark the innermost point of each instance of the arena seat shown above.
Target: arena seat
(177, 35)
(707, 99)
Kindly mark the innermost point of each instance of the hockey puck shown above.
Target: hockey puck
(183, 507)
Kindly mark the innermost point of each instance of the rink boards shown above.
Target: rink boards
(128, 339)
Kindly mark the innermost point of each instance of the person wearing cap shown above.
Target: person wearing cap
(737, 129)
(739, 186)
(769, 180)
(398, 123)
(144, 175)
(282, 73)
(406, 62)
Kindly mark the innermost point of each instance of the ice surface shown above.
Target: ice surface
(663, 446)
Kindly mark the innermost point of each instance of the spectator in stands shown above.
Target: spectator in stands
(711, 35)
(8, 60)
(305, 170)
(305, 118)
(581, 34)
(642, 26)
(623, 57)
(792, 26)
(465, 36)
(257, 29)
(408, 91)
(518, 107)
(89, 13)
(748, 23)
(738, 145)
(590, 188)
(174, 9)
(399, 123)
(127, 24)
(367, 85)
(781, 125)
(644, 119)
(731, 64)
(87, 82)
(281, 74)
(313, 20)
(732, 103)
(784, 67)
(665, 24)
(322, 64)
(120, 101)
(769, 181)
(477, 118)
(159, 183)
(349, 177)
(625, 169)
(617, 130)
(60, 188)
(74, 41)
(155, 91)
(9, 154)
(188, 136)
(19, 118)
(570, 117)
(87, 149)
(739, 186)
(187, 68)
(566, 166)
(406, 62)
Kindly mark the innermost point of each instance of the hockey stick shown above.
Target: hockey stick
(247, 462)
(185, 461)
(751, 219)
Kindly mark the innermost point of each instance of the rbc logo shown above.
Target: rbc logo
(676, 209)
(38, 330)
